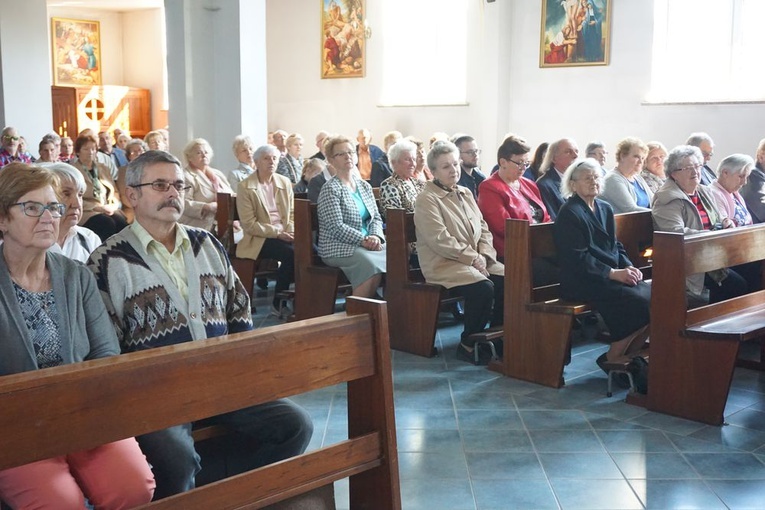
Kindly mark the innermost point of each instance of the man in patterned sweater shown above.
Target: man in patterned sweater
(165, 283)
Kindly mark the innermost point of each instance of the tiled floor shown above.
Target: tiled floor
(469, 439)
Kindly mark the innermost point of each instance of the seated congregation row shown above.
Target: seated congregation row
(155, 283)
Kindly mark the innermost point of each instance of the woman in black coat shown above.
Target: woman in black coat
(594, 265)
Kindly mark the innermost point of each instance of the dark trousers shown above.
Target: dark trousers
(484, 302)
(733, 285)
(276, 249)
(265, 434)
(105, 225)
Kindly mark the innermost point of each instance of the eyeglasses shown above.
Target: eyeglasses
(11, 138)
(348, 154)
(692, 167)
(474, 152)
(522, 164)
(163, 186)
(36, 209)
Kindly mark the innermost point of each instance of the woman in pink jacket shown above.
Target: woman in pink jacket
(732, 174)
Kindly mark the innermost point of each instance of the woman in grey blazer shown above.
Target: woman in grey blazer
(51, 314)
(350, 227)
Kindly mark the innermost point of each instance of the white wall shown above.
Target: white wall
(507, 91)
(143, 43)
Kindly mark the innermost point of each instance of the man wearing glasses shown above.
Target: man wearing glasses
(471, 176)
(10, 147)
(707, 146)
(164, 283)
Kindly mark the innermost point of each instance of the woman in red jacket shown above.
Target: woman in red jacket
(507, 194)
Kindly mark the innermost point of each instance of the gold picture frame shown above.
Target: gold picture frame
(575, 33)
(343, 39)
(76, 52)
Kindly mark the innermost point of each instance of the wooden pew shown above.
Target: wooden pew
(247, 269)
(413, 303)
(60, 410)
(537, 323)
(316, 284)
(693, 352)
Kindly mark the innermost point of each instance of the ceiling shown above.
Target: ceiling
(108, 5)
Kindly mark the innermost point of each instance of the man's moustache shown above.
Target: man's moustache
(176, 204)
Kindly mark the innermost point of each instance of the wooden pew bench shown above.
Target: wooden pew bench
(247, 269)
(693, 352)
(70, 408)
(316, 284)
(537, 323)
(413, 303)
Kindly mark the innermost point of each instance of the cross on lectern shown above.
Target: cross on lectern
(94, 109)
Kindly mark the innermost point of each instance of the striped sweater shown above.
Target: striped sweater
(146, 308)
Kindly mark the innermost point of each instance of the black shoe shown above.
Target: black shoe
(621, 379)
(458, 312)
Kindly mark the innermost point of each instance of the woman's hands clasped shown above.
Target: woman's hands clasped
(372, 243)
(480, 264)
(628, 276)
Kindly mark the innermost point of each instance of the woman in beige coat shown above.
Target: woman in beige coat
(455, 246)
(201, 201)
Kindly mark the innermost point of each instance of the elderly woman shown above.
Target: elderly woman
(421, 171)
(101, 211)
(754, 189)
(594, 266)
(653, 169)
(243, 152)
(264, 202)
(291, 163)
(401, 189)
(67, 149)
(311, 168)
(623, 187)
(455, 246)
(74, 241)
(52, 314)
(684, 205)
(732, 174)
(508, 193)
(201, 201)
(350, 227)
(155, 141)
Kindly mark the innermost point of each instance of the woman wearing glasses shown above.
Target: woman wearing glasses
(685, 205)
(350, 227)
(51, 314)
(594, 266)
(507, 194)
(101, 211)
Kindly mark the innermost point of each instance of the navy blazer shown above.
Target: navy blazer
(587, 250)
(708, 175)
(754, 194)
(375, 153)
(549, 188)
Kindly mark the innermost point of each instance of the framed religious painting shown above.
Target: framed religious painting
(343, 39)
(575, 33)
(76, 52)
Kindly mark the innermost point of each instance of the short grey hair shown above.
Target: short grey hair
(401, 147)
(65, 172)
(135, 169)
(572, 174)
(265, 149)
(52, 137)
(679, 153)
(239, 142)
(440, 148)
(138, 142)
(735, 164)
(696, 139)
(592, 147)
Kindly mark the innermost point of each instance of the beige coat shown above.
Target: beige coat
(254, 217)
(451, 233)
(202, 192)
(89, 202)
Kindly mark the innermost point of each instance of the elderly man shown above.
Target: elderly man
(116, 154)
(164, 283)
(471, 176)
(264, 202)
(9, 139)
(560, 155)
(367, 153)
(321, 136)
(280, 141)
(754, 189)
(707, 146)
